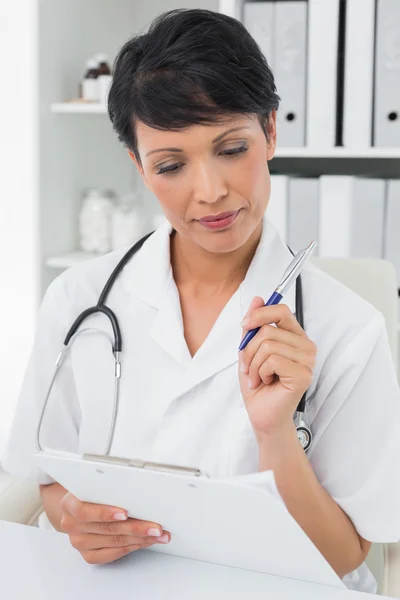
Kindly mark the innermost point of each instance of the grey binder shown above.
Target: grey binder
(290, 60)
(387, 74)
(259, 20)
(303, 206)
(392, 225)
(367, 218)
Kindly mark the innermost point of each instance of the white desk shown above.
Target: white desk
(42, 565)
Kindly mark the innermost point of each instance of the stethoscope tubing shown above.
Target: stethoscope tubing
(116, 344)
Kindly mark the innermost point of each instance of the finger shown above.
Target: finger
(279, 314)
(270, 347)
(104, 556)
(133, 527)
(292, 375)
(91, 541)
(86, 512)
(257, 302)
(269, 332)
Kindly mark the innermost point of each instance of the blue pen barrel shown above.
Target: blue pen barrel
(275, 299)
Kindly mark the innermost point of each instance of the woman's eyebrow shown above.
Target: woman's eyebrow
(219, 137)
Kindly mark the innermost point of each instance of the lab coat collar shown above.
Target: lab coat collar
(144, 276)
(149, 278)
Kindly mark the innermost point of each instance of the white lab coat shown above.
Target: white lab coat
(189, 411)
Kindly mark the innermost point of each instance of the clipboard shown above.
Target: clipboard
(237, 522)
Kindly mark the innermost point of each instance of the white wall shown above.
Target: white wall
(18, 199)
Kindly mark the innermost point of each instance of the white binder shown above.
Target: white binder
(278, 203)
(387, 75)
(259, 20)
(290, 70)
(239, 523)
(351, 216)
(323, 36)
(359, 73)
(303, 209)
(367, 217)
(392, 226)
(231, 8)
(335, 215)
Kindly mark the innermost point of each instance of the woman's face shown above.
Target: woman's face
(202, 172)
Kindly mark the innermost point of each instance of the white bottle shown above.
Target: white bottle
(90, 91)
(129, 222)
(104, 79)
(95, 221)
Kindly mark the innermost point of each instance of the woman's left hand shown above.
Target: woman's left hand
(275, 368)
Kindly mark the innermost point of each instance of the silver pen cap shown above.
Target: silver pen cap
(294, 268)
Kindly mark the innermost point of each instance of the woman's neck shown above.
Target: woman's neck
(207, 273)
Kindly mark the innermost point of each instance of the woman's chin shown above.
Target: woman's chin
(223, 242)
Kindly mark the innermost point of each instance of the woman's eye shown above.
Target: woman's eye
(233, 151)
(176, 167)
(169, 169)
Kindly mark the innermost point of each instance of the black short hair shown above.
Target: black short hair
(193, 66)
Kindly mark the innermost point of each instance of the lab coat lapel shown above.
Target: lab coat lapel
(218, 352)
(167, 329)
(148, 277)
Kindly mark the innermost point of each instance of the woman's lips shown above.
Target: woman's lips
(220, 221)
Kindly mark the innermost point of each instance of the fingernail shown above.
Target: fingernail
(245, 322)
(163, 539)
(249, 383)
(120, 517)
(152, 531)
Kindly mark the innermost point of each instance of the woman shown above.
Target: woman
(194, 102)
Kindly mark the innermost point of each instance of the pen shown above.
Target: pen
(287, 280)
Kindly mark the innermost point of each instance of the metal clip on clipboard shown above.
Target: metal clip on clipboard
(144, 464)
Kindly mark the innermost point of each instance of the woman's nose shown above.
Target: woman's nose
(208, 184)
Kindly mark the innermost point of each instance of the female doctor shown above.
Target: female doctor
(194, 102)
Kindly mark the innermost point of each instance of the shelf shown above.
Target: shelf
(69, 259)
(281, 152)
(78, 108)
(339, 152)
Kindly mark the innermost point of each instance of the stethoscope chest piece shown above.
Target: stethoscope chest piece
(305, 436)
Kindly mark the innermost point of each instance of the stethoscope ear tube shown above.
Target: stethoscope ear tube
(117, 346)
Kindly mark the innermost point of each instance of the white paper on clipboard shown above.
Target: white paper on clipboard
(239, 522)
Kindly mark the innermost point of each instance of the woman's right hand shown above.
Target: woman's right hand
(100, 536)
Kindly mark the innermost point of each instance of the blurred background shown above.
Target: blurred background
(70, 192)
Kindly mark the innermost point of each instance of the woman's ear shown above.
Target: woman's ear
(135, 160)
(270, 127)
(138, 166)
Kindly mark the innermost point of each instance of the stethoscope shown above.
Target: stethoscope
(303, 431)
